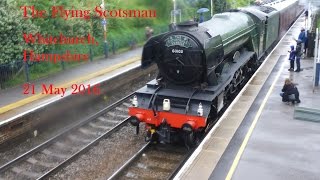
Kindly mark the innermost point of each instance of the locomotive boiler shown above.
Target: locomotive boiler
(201, 69)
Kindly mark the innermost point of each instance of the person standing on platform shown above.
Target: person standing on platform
(306, 15)
(201, 19)
(292, 57)
(148, 32)
(298, 54)
(302, 37)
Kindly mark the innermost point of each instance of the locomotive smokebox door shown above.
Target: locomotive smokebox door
(182, 59)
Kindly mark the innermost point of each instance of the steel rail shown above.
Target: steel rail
(84, 149)
(176, 170)
(138, 155)
(116, 174)
(71, 127)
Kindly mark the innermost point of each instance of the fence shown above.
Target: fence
(21, 71)
(9, 70)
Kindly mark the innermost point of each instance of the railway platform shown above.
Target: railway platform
(259, 136)
(13, 101)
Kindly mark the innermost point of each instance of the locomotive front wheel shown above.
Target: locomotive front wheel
(151, 137)
(148, 136)
(189, 139)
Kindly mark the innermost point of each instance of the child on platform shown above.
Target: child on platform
(292, 57)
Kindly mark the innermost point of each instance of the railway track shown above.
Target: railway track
(153, 162)
(55, 153)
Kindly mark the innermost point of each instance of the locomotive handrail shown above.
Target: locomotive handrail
(187, 107)
(151, 99)
(154, 99)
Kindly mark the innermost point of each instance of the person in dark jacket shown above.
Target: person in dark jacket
(201, 19)
(298, 53)
(289, 89)
(302, 37)
(292, 57)
(306, 14)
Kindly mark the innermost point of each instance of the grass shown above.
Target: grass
(43, 70)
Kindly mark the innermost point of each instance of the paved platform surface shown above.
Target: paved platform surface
(258, 137)
(280, 147)
(13, 101)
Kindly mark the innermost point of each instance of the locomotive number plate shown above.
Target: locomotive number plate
(177, 51)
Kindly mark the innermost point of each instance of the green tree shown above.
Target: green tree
(54, 26)
(12, 27)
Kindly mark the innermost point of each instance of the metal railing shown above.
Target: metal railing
(15, 68)
(9, 70)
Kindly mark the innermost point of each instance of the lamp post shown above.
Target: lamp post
(211, 4)
(174, 12)
(105, 47)
(91, 31)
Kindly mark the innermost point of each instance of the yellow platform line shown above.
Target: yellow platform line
(257, 116)
(68, 84)
(253, 125)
